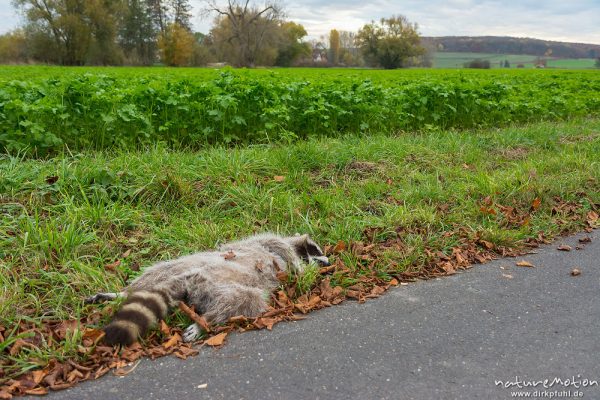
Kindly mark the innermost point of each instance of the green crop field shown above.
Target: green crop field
(44, 110)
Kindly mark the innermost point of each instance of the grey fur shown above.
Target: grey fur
(234, 280)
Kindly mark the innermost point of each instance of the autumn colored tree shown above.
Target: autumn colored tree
(13, 47)
(390, 43)
(74, 32)
(176, 45)
(243, 33)
(334, 47)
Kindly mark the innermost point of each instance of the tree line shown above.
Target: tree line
(243, 34)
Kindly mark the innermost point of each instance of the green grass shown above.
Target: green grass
(426, 188)
(458, 59)
(579, 63)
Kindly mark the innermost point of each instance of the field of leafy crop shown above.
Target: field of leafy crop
(42, 110)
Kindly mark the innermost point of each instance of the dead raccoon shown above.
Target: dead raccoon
(234, 280)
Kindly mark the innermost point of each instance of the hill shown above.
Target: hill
(511, 45)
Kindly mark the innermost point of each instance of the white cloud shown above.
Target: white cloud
(9, 18)
(574, 20)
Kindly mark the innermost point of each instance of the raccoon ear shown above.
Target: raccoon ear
(297, 239)
(300, 245)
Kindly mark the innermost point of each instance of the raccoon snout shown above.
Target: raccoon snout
(324, 261)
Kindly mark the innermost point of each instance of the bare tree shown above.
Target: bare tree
(249, 26)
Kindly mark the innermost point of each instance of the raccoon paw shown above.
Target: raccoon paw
(191, 333)
(97, 298)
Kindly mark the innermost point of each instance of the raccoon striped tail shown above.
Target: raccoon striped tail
(140, 311)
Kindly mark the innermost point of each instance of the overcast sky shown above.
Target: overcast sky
(564, 20)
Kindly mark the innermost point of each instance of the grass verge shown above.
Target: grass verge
(391, 208)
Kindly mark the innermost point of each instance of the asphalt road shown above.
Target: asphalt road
(449, 338)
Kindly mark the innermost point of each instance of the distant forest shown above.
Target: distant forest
(511, 45)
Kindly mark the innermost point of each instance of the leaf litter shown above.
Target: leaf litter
(94, 359)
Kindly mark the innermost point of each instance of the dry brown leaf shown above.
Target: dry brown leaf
(564, 247)
(39, 374)
(92, 336)
(51, 179)
(575, 272)
(190, 312)
(282, 276)
(74, 375)
(238, 319)
(164, 328)
(229, 255)
(185, 351)
(5, 395)
(266, 323)
(62, 386)
(314, 301)
(326, 270)
(488, 210)
(156, 352)
(486, 244)
(18, 345)
(339, 247)
(126, 254)
(259, 266)
(394, 282)
(216, 340)
(507, 276)
(448, 267)
(296, 317)
(524, 263)
(279, 178)
(275, 312)
(132, 352)
(337, 291)
(586, 239)
(172, 341)
(537, 202)
(377, 290)
(282, 297)
(112, 266)
(67, 328)
(592, 217)
(39, 391)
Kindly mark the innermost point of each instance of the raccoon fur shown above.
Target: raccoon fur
(236, 279)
